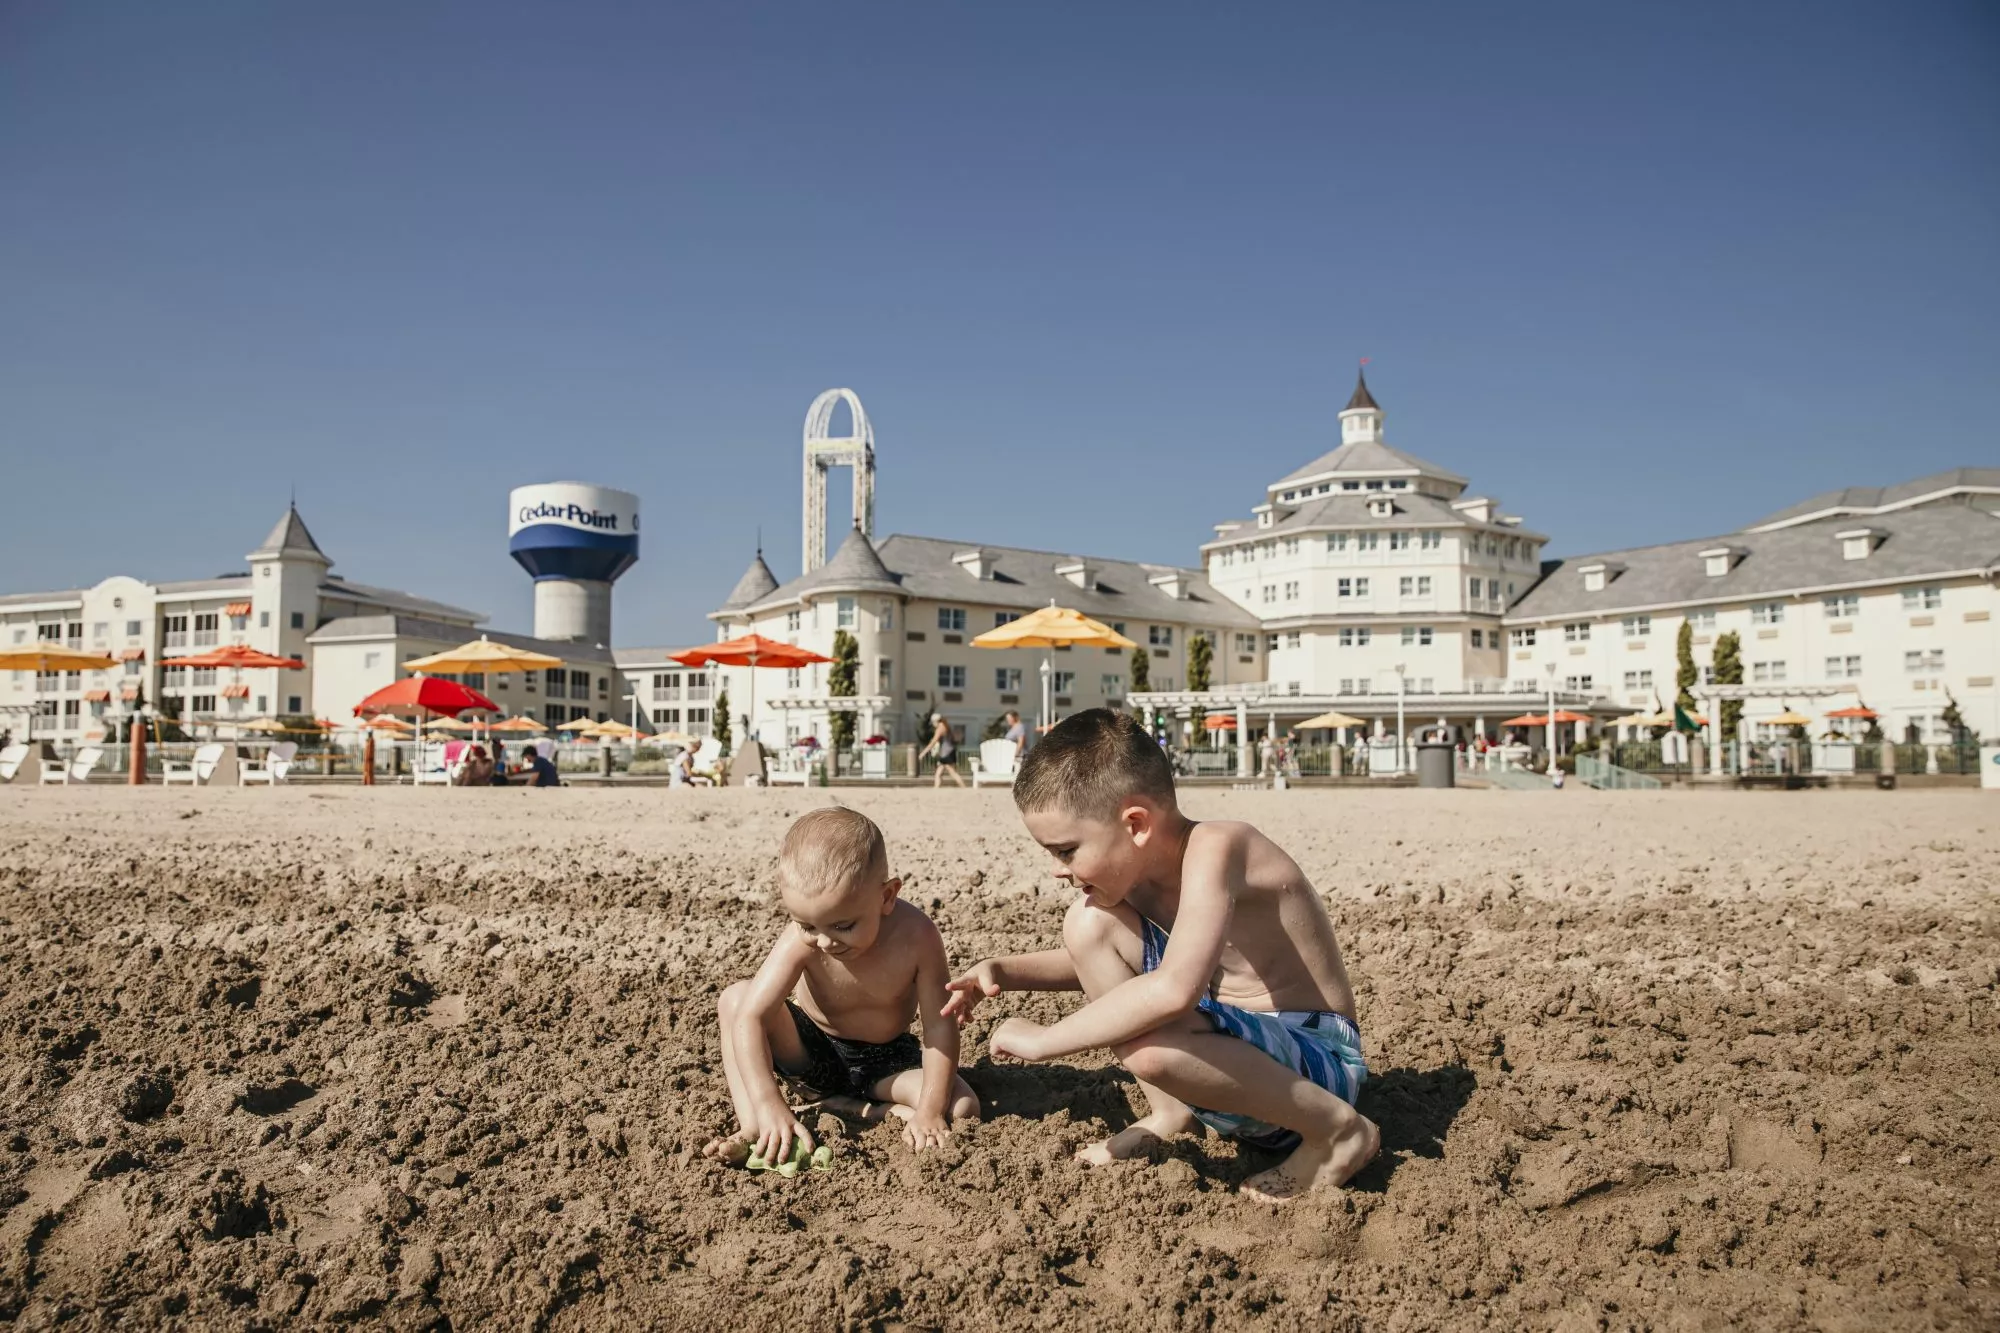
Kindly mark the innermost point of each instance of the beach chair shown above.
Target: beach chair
(429, 766)
(196, 771)
(271, 769)
(994, 764)
(21, 761)
(76, 770)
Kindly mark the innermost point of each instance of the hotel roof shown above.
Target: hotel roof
(376, 627)
(1856, 501)
(1370, 457)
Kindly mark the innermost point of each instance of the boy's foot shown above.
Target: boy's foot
(1327, 1164)
(1137, 1138)
(867, 1112)
(732, 1151)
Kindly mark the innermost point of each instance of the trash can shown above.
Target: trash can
(1436, 762)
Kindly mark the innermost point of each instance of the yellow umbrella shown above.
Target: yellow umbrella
(518, 724)
(47, 657)
(578, 725)
(386, 722)
(266, 724)
(1788, 718)
(1052, 626)
(1330, 720)
(1635, 720)
(451, 724)
(615, 730)
(674, 738)
(483, 654)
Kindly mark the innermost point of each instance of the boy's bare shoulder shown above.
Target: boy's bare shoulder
(1227, 836)
(912, 926)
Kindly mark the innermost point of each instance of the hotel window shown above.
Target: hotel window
(1005, 618)
(173, 631)
(1430, 541)
(131, 629)
(1637, 627)
(1524, 638)
(885, 619)
(134, 667)
(556, 681)
(1113, 686)
(792, 622)
(1767, 673)
(1576, 632)
(1767, 613)
(1336, 543)
(1922, 599)
(1399, 541)
(1493, 546)
(237, 624)
(666, 684)
(1414, 585)
(1416, 636)
(205, 629)
(579, 684)
(1292, 592)
(369, 661)
(203, 676)
(1246, 643)
(1513, 547)
(950, 677)
(1160, 636)
(1291, 546)
(1479, 638)
(885, 672)
(1924, 659)
(666, 717)
(1007, 680)
(1579, 684)
(794, 676)
(951, 619)
(1843, 606)
(1352, 588)
(1367, 540)
(1478, 588)
(1063, 682)
(1638, 680)
(298, 620)
(1843, 668)
(100, 630)
(263, 622)
(1271, 643)
(1355, 636)
(843, 613)
(201, 703)
(1703, 621)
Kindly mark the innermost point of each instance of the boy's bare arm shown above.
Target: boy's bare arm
(929, 1125)
(769, 989)
(1210, 872)
(1051, 969)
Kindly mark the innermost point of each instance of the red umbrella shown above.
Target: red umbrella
(420, 694)
(752, 650)
(1542, 719)
(1220, 722)
(1858, 711)
(237, 655)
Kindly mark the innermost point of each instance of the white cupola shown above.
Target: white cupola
(1361, 420)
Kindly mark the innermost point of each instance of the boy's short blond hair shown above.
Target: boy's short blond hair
(1090, 764)
(831, 851)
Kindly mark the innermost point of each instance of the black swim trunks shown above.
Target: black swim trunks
(837, 1067)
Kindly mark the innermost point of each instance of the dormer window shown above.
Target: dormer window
(1382, 508)
(1079, 572)
(1264, 519)
(1597, 576)
(977, 562)
(1719, 560)
(1857, 543)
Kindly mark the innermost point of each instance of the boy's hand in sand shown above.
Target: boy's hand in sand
(1019, 1039)
(776, 1126)
(981, 983)
(923, 1131)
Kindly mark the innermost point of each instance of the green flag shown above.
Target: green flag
(1682, 722)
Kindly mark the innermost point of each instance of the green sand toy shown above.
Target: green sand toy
(819, 1159)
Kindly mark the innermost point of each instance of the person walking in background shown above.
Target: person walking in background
(945, 746)
(1017, 732)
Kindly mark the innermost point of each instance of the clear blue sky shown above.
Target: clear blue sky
(1098, 271)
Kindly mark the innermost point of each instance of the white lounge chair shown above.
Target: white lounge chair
(271, 769)
(14, 758)
(77, 770)
(428, 766)
(196, 771)
(994, 765)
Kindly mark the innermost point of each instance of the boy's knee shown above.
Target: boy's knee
(1147, 1061)
(731, 999)
(1089, 929)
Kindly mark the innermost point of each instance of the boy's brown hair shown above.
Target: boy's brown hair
(830, 851)
(1090, 764)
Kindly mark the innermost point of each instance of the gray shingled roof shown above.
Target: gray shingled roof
(1373, 458)
(1863, 500)
(227, 583)
(757, 583)
(26, 598)
(290, 537)
(1349, 509)
(1916, 543)
(418, 627)
(923, 567)
(855, 567)
(398, 600)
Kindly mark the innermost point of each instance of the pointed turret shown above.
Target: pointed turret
(856, 566)
(1362, 398)
(756, 584)
(290, 539)
(1361, 419)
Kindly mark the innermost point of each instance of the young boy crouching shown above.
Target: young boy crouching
(1210, 964)
(831, 1006)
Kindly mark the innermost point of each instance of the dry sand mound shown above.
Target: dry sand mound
(438, 1059)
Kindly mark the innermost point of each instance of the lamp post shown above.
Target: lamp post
(1551, 719)
(1402, 741)
(1048, 696)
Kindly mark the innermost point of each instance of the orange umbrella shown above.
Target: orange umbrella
(1861, 711)
(237, 655)
(752, 650)
(1220, 722)
(1542, 719)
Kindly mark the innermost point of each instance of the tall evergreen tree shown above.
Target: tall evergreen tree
(719, 729)
(840, 678)
(1142, 668)
(1729, 671)
(1685, 672)
(1201, 663)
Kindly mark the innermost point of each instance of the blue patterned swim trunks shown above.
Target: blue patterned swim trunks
(1319, 1045)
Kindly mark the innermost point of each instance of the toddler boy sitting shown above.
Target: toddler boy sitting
(831, 1006)
(1210, 964)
